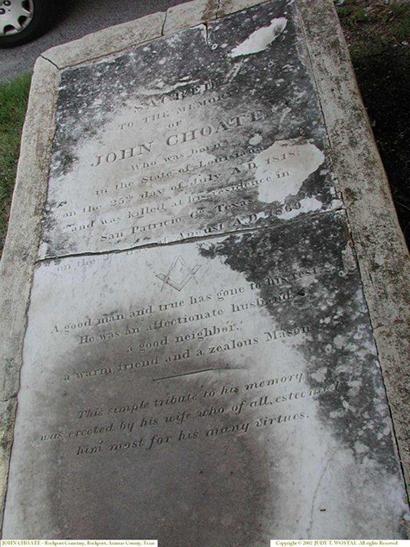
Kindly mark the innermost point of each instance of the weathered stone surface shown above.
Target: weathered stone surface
(241, 369)
(199, 362)
(21, 248)
(152, 146)
(190, 14)
(379, 243)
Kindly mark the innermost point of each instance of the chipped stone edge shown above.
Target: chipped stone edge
(121, 37)
(107, 41)
(379, 242)
(190, 14)
(21, 247)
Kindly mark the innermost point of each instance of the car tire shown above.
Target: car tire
(24, 20)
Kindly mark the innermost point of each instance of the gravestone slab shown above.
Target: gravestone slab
(198, 345)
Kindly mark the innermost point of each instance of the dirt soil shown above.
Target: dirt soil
(378, 35)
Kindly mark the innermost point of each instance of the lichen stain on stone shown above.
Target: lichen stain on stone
(350, 195)
(340, 347)
(91, 95)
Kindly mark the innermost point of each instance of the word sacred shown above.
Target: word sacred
(175, 96)
(180, 138)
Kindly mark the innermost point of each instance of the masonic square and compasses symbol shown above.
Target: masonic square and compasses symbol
(179, 274)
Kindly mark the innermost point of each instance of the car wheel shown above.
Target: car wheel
(23, 20)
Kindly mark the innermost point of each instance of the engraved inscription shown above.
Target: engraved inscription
(199, 364)
(180, 154)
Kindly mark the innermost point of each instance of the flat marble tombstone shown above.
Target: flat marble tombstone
(199, 365)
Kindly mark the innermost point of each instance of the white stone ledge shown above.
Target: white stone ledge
(379, 243)
(227, 7)
(107, 41)
(21, 246)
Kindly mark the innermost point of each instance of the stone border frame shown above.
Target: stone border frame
(361, 181)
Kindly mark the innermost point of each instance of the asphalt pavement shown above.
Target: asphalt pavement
(80, 17)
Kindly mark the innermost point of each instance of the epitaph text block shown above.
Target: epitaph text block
(199, 133)
(232, 380)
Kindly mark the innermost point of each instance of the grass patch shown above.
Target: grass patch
(13, 104)
(402, 22)
(370, 26)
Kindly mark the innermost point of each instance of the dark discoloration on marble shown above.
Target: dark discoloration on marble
(91, 94)
(341, 347)
(167, 493)
(280, 107)
(224, 481)
(50, 225)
